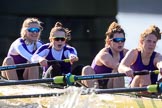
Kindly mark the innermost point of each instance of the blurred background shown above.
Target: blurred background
(137, 15)
(88, 20)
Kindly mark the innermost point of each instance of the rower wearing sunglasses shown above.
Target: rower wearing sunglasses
(57, 49)
(22, 49)
(108, 59)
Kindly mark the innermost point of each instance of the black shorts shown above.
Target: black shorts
(103, 83)
(20, 73)
(55, 70)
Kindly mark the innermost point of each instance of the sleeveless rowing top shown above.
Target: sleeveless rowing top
(103, 68)
(139, 66)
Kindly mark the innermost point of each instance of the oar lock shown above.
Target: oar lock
(68, 79)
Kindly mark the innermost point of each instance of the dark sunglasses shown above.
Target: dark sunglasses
(57, 39)
(118, 40)
(32, 30)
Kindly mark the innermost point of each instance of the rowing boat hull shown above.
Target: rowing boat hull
(72, 99)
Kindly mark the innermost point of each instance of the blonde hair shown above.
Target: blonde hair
(26, 24)
(151, 30)
(112, 29)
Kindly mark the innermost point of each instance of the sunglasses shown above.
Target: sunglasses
(57, 39)
(117, 40)
(32, 30)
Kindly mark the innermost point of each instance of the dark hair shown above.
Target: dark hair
(112, 29)
(59, 27)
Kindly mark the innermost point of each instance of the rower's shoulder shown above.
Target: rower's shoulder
(158, 54)
(46, 45)
(40, 42)
(105, 49)
(132, 53)
(125, 50)
(67, 46)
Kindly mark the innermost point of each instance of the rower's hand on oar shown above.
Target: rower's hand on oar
(129, 72)
(160, 71)
(73, 58)
(159, 65)
(43, 62)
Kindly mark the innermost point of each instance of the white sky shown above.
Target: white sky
(134, 24)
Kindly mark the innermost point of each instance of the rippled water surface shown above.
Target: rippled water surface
(72, 97)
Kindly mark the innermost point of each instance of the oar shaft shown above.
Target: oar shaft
(19, 82)
(150, 88)
(120, 90)
(31, 95)
(25, 65)
(99, 76)
(68, 79)
(72, 78)
(18, 66)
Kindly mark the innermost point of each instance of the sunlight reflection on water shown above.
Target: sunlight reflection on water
(72, 98)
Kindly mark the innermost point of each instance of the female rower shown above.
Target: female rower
(143, 58)
(57, 49)
(108, 59)
(22, 49)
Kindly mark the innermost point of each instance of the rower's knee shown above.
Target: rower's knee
(8, 61)
(9, 74)
(87, 70)
(141, 81)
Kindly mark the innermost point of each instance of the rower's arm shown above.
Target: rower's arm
(106, 59)
(127, 61)
(158, 62)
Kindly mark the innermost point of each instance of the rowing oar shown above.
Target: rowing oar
(69, 79)
(24, 65)
(31, 95)
(156, 88)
